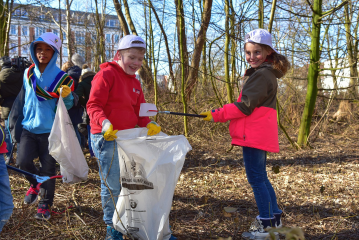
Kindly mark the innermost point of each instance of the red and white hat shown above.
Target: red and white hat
(260, 36)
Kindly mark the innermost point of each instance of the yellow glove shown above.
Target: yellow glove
(208, 115)
(107, 130)
(66, 90)
(153, 128)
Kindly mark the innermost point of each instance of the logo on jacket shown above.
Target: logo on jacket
(135, 90)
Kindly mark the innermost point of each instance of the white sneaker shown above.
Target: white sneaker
(259, 228)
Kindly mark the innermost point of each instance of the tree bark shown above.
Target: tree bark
(352, 46)
(196, 56)
(121, 17)
(313, 73)
(226, 55)
(166, 41)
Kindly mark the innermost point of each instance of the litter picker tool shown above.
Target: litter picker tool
(150, 109)
(39, 179)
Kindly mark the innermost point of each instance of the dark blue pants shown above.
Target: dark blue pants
(255, 163)
(33, 146)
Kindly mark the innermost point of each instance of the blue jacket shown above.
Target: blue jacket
(39, 115)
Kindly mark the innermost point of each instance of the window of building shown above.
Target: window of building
(56, 32)
(39, 31)
(80, 19)
(25, 50)
(13, 30)
(42, 16)
(64, 52)
(108, 38)
(24, 31)
(80, 38)
(116, 37)
(82, 53)
(18, 12)
(108, 54)
(24, 13)
(13, 49)
(111, 23)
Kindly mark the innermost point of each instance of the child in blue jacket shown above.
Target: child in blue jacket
(42, 81)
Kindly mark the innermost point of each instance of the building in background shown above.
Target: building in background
(29, 22)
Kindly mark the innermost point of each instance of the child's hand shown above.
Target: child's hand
(153, 128)
(107, 130)
(66, 90)
(208, 115)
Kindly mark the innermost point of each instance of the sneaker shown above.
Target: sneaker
(278, 221)
(43, 212)
(259, 228)
(31, 195)
(112, 234)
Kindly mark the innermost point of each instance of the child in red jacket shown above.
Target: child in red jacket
(253, 124)
(114, 105)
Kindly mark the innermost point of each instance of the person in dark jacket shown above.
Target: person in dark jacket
(11, 79)
(77, 110)
(83, 92)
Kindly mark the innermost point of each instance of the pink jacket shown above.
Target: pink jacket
(253, 118)
(115, 96)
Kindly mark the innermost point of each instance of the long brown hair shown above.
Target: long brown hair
(279, 61)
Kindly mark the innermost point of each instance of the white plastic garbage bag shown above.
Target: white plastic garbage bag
(150, 168)
(65, 147)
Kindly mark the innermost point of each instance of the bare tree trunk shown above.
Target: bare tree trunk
(6, 26)
(121, 17)
(68, 29)
(312, 75)
(352, 46)
(226, 55)
(270, 24)
(166, 41)
(153, 59)
(180, 20)
(260, 14)
(61, 37)
(196, 56)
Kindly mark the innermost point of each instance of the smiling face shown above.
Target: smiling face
(130, 60)
(43, 53)
(255, 54)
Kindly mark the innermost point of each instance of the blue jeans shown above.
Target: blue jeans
(89, 140)
(109, 170)
(33, 146)
(8, 140)
(255, 164)
(6, 205)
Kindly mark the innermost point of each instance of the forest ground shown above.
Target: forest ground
(317, 188)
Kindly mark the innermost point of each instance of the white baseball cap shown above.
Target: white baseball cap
(51, 39)
(260, 36)
(130, 41)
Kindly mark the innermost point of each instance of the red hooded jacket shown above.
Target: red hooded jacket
(253, 118)
(115, 96)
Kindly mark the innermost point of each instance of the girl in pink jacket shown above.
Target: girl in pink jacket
(253, 124)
